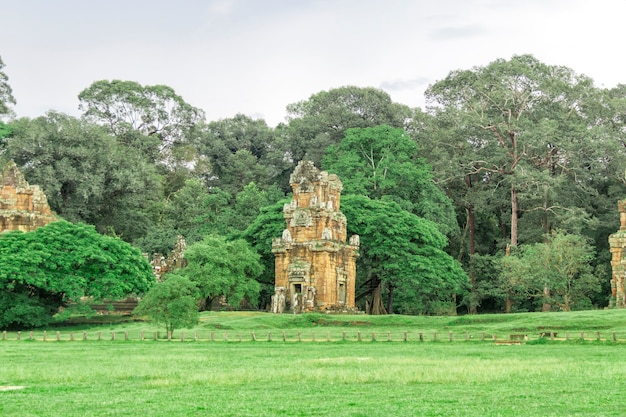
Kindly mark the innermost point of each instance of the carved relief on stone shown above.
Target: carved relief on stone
(301, 218)
(278, 300)
(286, 236)
(327, 234)
(355, 240)
(309, 301)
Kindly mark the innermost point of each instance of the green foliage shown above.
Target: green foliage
(44, 269)
(556, 273)
(269, 224)
(224, 268)
(238, 151)
(5, 131)
(123, 106)
(86, 175)
(384, 162)
(172, 303)
(533, 127)
(324, 118)
(403, 252)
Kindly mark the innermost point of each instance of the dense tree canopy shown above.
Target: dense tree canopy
(403, 256)
(524, 120)
(153, 110)
(324, 118)
(509, 151)
(383, 163)
(62, 262)
(224, 268)
(557, 273)
(86, 175)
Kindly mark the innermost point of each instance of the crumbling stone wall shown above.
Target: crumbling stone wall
(315, 267)
(22, 206)
(617, 241)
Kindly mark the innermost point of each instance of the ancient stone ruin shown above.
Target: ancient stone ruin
(22, 206)
(617, 241)
(315, 267)
(175, 260)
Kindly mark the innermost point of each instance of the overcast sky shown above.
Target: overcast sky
(257, 56)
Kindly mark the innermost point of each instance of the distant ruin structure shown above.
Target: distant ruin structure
(315, 267)
(175, 260)
(22, 206)
(617, 242)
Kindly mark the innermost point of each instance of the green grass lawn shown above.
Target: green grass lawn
(161, 378)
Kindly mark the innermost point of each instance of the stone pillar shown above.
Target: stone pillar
(617, 242)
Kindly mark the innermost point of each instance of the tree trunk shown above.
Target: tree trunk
(390, 300)
(546, 299)
(471, 225)
(376, 307)
(566, 303)
(508, 303)
(513, 216)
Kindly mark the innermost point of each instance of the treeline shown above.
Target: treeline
(498, 196)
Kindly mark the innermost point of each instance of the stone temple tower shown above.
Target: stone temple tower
(617, 242)
(315, 267)
(22, 206)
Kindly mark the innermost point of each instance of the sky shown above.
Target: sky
(257, 56)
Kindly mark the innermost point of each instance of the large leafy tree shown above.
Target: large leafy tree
(383, 162)
(152, 119)
(522, 119)
(238, 151)
(402, 255)
(153, 110)
(557, 273)
(86, 174)
(6, 93)
(172, 303)
(268, 224)
(45, 269)
(223, 268)
(324, 118)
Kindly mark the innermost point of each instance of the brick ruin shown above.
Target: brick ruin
(315, 267)
(22, 206)
(617, 241)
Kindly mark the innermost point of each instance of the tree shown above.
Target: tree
(47, 268)
(86, 175)
(558, 272)
(6, 93)
(172, 302)
(124, 106)
(401, 255)
(268, 224)
(383, 162)
(238, 152)
(223, 268)
(520, 117)
(324, 118)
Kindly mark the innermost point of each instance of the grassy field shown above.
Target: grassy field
(160, 378)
